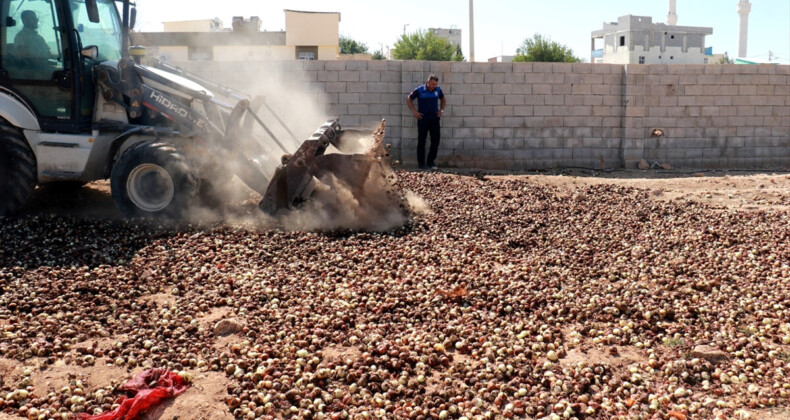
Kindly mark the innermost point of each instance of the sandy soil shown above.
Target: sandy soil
(740, 191)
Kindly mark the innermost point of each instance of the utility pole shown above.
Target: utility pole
(404, 28)
(471, 31)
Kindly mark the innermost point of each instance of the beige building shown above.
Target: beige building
(452, 35)
(307, 36)
(637, 40)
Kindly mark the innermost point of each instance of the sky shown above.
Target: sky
(500, 26)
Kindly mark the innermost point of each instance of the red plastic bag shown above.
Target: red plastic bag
(168, 384)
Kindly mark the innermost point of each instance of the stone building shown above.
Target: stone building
(453, 35)
(307, 36)
(637, 40)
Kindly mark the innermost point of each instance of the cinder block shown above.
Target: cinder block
(494, 144)
(391, 76)
(570, 101)
(462, 89)
(461, 111)
(514, 100)
(482, 68)
(523, 68)
(481, 89)
(493, 122)
(483, 132)
(328, 76)
(533, 142)
(461, 67)
(336, 87)
(482, 111)
(514, 78)
(473, 122)
(503, 133)
(337, 109)
(369, 76)
(416, 66)
(554, 100)
(494, 78)
(451, 122)
(357, 65)
(541, 89)
(335, 65)
(358, 109)
(474, 78)
(350, 98)
(746, 111)
(462, 133)
(503, 111)
(474, 144)
(357, 87)
(563, 89)
(523, 111)
(491, 100)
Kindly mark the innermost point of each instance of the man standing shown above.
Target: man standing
(431, 102)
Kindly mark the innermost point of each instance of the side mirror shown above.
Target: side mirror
(133, 18)
(91, 51)
(93, 11)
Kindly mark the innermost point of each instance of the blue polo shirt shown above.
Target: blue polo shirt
(427, 101)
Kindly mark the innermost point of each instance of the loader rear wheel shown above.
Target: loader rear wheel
(17, 169)
(153, 180)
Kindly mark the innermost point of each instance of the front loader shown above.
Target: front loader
(165, 138)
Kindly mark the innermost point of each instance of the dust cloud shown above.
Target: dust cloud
(291, 113)
(377, 206)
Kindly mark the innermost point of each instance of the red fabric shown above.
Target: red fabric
(168, 384)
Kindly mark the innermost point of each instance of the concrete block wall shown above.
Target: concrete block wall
(526, 116)
(732, 116)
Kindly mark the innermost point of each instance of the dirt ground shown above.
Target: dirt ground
(740, 191)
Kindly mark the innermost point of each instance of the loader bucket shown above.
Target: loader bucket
(346, 156)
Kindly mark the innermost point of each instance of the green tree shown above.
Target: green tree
(543, 49)
(379, 55)
(350, 46)
(459, 55)
(424, 46)
(726, 59)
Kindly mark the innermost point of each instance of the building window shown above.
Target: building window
(201, 53)
(671, 57)
(306, 53)
(672, 37)
(641, 59)
(622, 41)
(706, 61)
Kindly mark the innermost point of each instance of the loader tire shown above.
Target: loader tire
(17, 169)
(153, 180)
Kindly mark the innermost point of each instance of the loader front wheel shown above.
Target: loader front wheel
(153, 180)
(17, 169)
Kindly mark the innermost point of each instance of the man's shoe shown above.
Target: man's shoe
(434, 168)
(423, 167)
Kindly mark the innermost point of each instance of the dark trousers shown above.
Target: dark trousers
(428, 124)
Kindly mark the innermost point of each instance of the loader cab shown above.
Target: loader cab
(44, 61)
